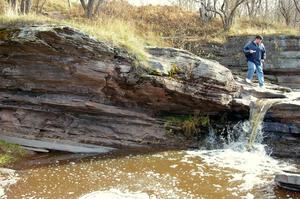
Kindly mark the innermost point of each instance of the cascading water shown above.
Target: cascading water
(244, 152)
(257, 114)
(245, 135)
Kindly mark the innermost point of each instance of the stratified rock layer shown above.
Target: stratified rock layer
(57, 83)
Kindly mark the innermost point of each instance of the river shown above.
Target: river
(231, 171)
(223, 173)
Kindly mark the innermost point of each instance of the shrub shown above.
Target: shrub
(188, 125)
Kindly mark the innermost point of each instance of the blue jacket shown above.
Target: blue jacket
(257, 56)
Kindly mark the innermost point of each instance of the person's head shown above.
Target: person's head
(258, 39)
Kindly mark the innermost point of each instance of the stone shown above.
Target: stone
(55, 145)
(288, 180)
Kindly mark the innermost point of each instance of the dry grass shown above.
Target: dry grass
(118, 32)
(134, 27)
(172, 23)
(246, 27)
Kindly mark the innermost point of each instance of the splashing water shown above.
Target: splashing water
(244, 152)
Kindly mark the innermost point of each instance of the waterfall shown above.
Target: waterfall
(258, 111)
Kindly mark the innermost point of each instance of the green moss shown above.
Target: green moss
(5, 159)
(154, 72)
(12, 148)
(10, 152)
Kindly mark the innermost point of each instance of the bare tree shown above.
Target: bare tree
(296, 2)
(266, 8)
(13, 4)
(205, 14)
(186, 4)
(70, 6)
(91, 7)
(253, 6)
(227, 11)
(97, 8)
(285, 8)
(25, 6)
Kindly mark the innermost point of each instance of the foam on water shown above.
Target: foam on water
(243, 158)
(117, 194)
(250, 168)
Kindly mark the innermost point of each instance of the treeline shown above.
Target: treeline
(286, 11)
(226, 11)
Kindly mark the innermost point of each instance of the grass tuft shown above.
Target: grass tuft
(10, 152)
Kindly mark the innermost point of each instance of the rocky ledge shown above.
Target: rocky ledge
(58, 84)
(283, 54)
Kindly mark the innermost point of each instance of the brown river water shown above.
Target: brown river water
(214, 174)
(241, 169)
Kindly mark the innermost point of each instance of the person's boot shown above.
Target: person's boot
(248, 81)
(262, 87)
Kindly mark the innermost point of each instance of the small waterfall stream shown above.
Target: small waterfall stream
(257, 113)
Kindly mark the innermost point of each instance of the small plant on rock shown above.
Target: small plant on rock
(174, 70)
(188, 125)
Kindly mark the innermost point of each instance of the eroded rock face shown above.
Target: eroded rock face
(60, 84)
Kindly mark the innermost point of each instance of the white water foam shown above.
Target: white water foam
(251, 168)
(116, 194)
(244, 159)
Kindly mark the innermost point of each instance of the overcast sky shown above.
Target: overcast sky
(145, 2)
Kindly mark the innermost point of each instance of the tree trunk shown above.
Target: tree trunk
(227, 24)
(97, 9)
(28, 6)
(70, 6)
(83, 4)
(90, 9)
(25, 6)
(13, 4)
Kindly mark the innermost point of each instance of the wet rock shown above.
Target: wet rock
(288, 180)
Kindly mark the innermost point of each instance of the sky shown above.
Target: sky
(153, 2)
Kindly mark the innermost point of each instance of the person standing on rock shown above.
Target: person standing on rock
(255, 53)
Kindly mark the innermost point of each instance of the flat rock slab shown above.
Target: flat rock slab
(40, 150)
(57, 146)
(288, 180)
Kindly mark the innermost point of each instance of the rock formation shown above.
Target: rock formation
(59, 84)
